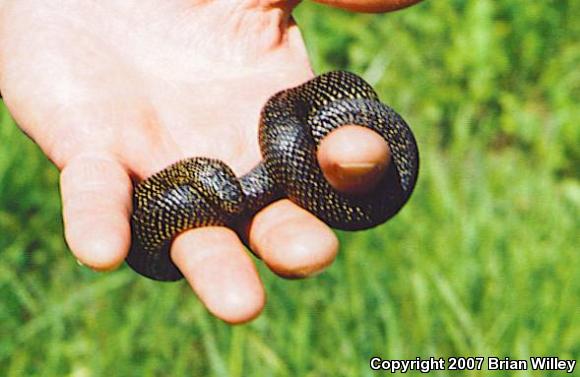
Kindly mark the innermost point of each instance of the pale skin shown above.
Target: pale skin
(115, 90)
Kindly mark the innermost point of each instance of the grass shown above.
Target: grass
(483, 261)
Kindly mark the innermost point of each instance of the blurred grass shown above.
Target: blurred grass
(482, 261)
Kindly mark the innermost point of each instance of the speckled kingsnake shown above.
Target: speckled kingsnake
(201, 191)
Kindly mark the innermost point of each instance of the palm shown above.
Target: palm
(164, 91)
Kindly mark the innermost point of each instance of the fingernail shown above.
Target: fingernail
(357, 177)
(357, 168)
(359, 172)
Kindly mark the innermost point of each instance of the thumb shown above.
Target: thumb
(371, 6)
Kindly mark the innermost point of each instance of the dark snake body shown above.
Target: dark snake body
(199, 192)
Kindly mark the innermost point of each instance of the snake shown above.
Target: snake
(199, 191)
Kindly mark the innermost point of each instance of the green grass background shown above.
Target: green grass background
(482, 261)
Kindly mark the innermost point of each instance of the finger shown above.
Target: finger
(291, 241)
(353, 158)
(220, 271)
(96, 198)
(371, 6)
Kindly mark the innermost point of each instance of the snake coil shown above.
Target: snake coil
(199, 191)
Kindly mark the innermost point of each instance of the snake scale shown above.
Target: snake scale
(200, 191)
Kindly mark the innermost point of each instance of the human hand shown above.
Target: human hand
(113, 91)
